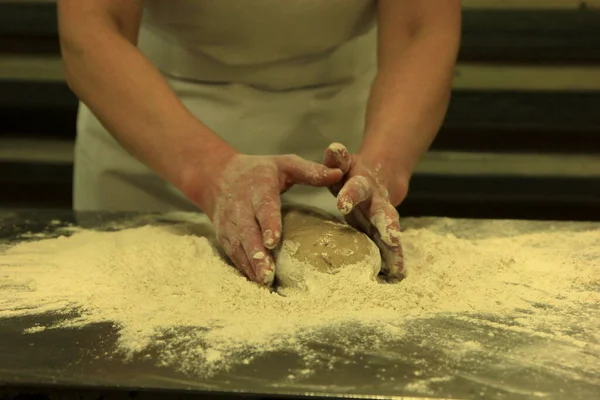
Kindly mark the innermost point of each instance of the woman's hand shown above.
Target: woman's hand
(241, 195)
(367, 196)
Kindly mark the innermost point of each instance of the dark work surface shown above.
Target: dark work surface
(71, 361)
(492, 35)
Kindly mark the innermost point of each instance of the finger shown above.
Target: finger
(267, 208)
(259, 257)
(393, 260)
(386, 233)
(385, 219)
(237, 255)
(338, 156)
(298, 170)
(355, 191)
(392, 256)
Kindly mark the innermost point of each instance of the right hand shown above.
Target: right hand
(241, 196)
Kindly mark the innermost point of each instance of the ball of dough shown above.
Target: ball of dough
(314, 241)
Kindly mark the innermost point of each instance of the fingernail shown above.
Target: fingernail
(264, 269)
(345, 206)
(269, 239)
(268, 277)
(337, 147)
(266, 272)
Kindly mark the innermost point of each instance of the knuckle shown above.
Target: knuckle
(245, 233)
(293, 158)
(360, 181)
(289, 160)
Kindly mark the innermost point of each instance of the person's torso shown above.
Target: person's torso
(279, 44)
(294, 76)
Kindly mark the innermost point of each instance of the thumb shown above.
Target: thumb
(337, 156)
(298, 170)
(354, 192)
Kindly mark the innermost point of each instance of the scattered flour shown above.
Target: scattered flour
(166, 288)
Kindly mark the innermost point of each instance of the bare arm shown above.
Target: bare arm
(418, 45)
(129, 96)
(239, 193)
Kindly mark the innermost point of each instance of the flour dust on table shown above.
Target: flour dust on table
(168, 291)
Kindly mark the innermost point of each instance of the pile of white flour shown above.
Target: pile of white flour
(166, 288)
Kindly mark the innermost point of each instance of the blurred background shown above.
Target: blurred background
(521, 139)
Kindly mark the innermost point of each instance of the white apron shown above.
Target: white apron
(268, 76)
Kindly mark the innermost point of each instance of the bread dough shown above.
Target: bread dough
(316, 242)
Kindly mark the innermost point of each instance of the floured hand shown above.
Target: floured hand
(242, 198)
(363, 197)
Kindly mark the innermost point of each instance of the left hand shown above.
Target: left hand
(367, 196)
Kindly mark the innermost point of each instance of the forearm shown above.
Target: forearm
(408, 102)
(135, 103)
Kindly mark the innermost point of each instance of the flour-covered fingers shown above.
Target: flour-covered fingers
(356, 190)
(393, 260)
(237, 254)
(337, 156)
(267, 208)
(385, 219)
(392, 256)
(259, 257)
(380, 221)
(297, 170)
